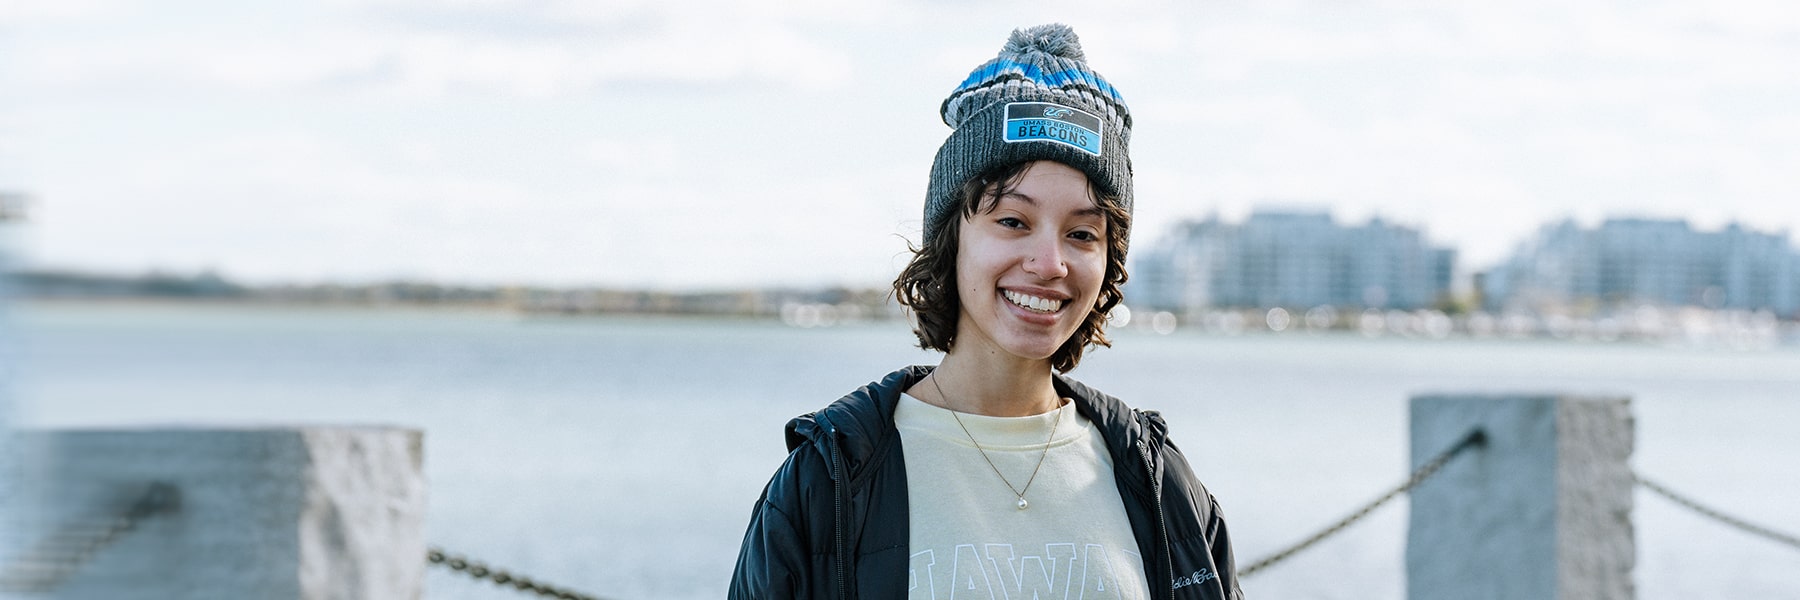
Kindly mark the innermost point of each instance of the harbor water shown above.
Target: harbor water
(620, 456)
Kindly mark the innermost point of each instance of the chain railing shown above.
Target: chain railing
(501, 577)
(1431, 467)
(1716, 515)
(1477, 438)
(66, 549)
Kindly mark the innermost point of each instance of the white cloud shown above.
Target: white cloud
(1770, 18)
(426, 62)
(303, 206)
(463, 139)
(654, 158)
(22, 13)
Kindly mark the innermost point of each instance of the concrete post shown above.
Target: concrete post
(1541, 512)
(304, 513)
(9, 352)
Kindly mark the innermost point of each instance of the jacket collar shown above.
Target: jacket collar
(863, 420)
(1128, 432)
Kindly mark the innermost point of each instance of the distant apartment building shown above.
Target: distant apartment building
(1289, 259)
(1647, 261)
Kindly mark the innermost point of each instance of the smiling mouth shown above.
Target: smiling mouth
(1033, 303)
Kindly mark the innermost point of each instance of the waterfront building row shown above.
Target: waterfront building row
(1306, 259)
(1660, 262)
(1297, 259)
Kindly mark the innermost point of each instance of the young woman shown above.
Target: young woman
(992, 475)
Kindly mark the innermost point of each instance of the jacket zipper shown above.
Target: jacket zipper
(1165, 561)
(838, 483)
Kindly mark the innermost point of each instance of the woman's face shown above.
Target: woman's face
(1029, 270)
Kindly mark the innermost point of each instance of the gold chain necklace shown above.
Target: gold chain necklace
(1020, 493)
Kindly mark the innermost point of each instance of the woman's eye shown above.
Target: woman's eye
(1011, 222)
(1085, 236)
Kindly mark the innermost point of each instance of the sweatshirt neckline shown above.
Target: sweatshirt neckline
(1000, 434)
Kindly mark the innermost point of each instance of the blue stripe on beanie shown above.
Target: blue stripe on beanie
(1036, 74)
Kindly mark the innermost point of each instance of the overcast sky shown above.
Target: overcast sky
(711, 144)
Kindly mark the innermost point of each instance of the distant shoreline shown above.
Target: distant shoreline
(210, 288)
(1684, 326)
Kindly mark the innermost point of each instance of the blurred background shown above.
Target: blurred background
(601, 251)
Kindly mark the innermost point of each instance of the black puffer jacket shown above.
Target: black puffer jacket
(832, 522)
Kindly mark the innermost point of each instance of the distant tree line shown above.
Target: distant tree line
(65, 284)
(210, 286)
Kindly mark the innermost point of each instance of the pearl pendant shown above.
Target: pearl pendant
(1023, 504)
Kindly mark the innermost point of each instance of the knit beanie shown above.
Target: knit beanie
(1037, 100)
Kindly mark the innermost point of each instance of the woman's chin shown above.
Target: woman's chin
(1032, 349)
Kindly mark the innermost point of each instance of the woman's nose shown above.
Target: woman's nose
(1046, 260)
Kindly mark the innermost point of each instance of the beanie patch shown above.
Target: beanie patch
(1054, 123)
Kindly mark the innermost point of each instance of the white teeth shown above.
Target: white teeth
(1033, 303)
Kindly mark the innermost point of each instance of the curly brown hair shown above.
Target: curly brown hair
(928, 284)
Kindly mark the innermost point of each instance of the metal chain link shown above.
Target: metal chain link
(1474, 438)
(1740, 524)
(58, 556)
(502, 577)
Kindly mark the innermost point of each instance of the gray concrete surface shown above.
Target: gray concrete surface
(305, 513)
(1541, 512)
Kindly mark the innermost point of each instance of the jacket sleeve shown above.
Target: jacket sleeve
(1220, 541)
(775, 559)
(1211, 538)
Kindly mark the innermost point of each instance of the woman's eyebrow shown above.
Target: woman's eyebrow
(1020, 195)
(1093, 210)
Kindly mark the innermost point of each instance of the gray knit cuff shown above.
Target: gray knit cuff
(980, 144)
